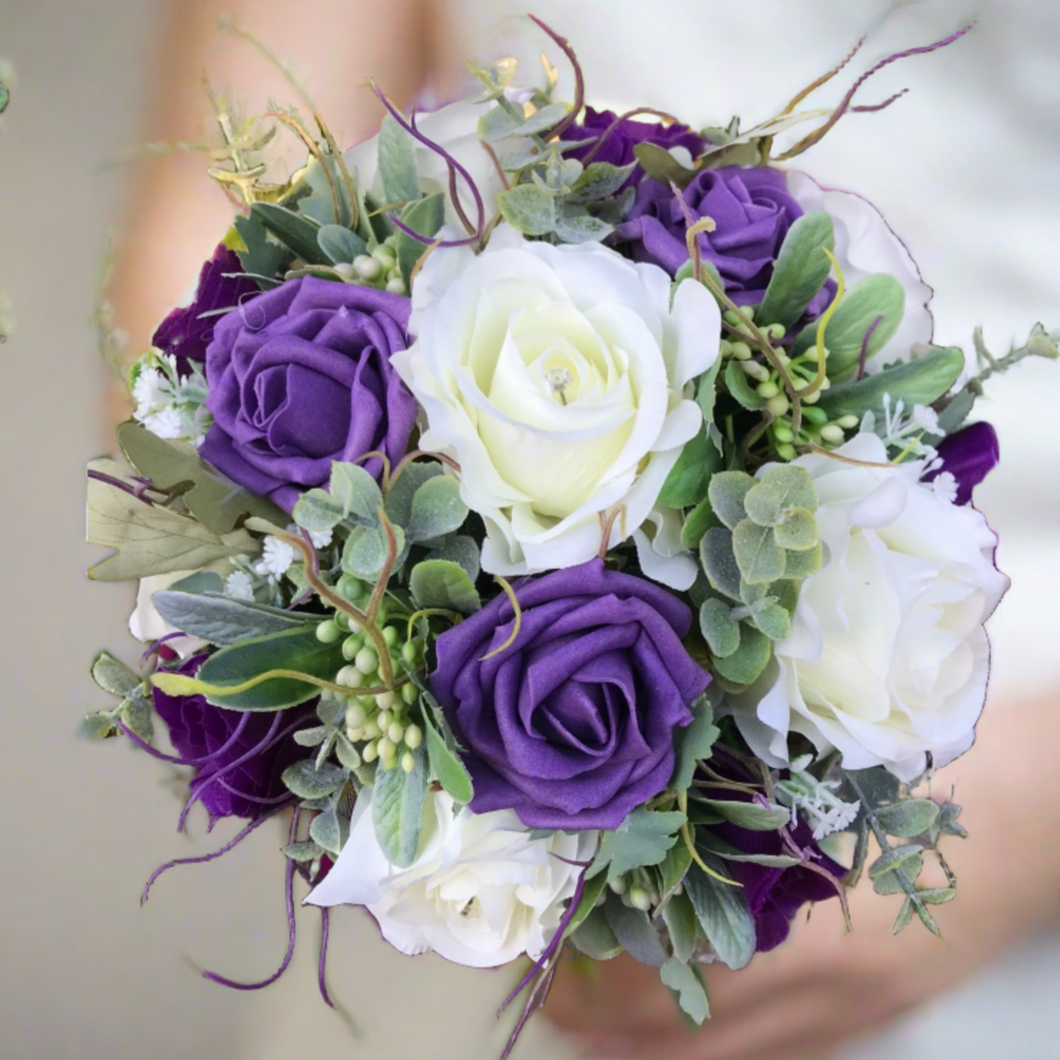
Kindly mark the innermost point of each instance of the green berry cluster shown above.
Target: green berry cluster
(637, 890)
(378, 721)
(379, 269)
(816, 427)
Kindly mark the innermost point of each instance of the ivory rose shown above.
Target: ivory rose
(556, 377)
(887, 658)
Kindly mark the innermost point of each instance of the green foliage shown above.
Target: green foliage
(919, 382)
(441, 583)
(741, 390)
(352, 494)
(877, 297)
(759, 557)
(296, 649)
(529, 209)
(746, 664)
(176, 467)
(911, 817)
(340, 245)
(136, 713)
(397, 162)
(693, 743)
(660, 165)
(261, 256)
(595, 938)
(397, 809)
(366, 551)
(451, 773)
(590, 895)
(800, 271)
(296, 231)
(461, 550)
(151, 539)
(682, 925)
(425, 216)
(753, 816)
(687, 483)
(686, 984)
(437, 509)
(643, 838)
(113, 676)
(330, 828)
(723, 914)
(307, 781)
(222, 620)
(635, 931)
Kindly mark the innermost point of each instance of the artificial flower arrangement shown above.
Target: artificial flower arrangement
(563, 519)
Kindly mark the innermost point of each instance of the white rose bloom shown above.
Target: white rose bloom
(480, 893)
(556, 377)
(147, 625)
(866, 244)
(887, 657)
(454, 128)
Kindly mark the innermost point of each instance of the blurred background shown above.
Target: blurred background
(966, 170)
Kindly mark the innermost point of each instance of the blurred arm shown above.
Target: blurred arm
(175, 213)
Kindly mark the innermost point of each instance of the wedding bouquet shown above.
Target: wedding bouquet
(563, 520)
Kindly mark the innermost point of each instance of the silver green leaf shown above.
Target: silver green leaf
(436, 509)
(720, 630)
(443, 584)
(693, 743)
(306, 781)
(727, 492)
(760, 559)
(797, 530)
(397, 162)
(113, 676)
(719, 561)
(397, 809)
(643, 838)
(910, 817)
(635, 930)
(723, 913)
(685, 983)
(529, 209)
(223, 620)
(340, 244)
(750, 815)
(679, 916)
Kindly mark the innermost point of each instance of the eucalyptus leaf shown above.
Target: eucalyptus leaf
(760, 559)
(436, 510)
(778, 489)
(136, 713)
(330, 829)
(302, 852)
(443, 584)
(894, 858)
(221, 619)
(774, 622)
(720, 630)
(366, 551)
(574, 224)
(599, 180)
(397, 809)
(529, 209)
(910, 817)
(405, 486)
(797, 530)
(461, 550)
(543, 119)
(728, 490)
(296, 649)
(723, 914)
(357, 491)
(719, 561)
(800, 271)
(801, 564)
(745, 665)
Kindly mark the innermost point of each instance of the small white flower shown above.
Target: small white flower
(480, 893)
(150, 389)
(887, 658)
(320, 538)
(926, 418)
(276, 557)
(556, 377)
(944, 486)
(240, 586)
(167, 422)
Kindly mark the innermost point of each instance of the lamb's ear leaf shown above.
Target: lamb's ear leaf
(397, 809)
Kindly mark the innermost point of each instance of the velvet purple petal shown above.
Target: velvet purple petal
(302, 377)
(970, 455)
(617, 149)
(572, 725)
(198, 730)
(186, 332)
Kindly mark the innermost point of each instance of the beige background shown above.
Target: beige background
(86, 973)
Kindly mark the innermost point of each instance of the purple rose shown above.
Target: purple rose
(752, 211)
(617, 149)
(198, 730)
(303, 377)
(969, 455)
(186, 333)
(774, 895)
(572, 725)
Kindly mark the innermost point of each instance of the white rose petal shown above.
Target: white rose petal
(556, 378)
(147, 625)
(865, 244)
(480, 893)
(887, 658)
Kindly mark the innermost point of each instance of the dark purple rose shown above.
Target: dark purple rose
(617, 149)
(970, 455)
(572, 725)
(186, 333)
(752, 211)
(775, 895)
(199, 730)
(303, 377)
